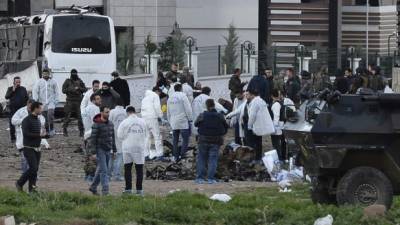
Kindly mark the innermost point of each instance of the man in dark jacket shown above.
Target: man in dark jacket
(172, 75)
(73, 88)
(101, 143)
(270, 81)
(212, 127)
(109, 97)
(122, 88)
(17, 97)
(292, 86)
(341, 83)
(235, 84)
(32, 133)
(260, 85)
(375, 80)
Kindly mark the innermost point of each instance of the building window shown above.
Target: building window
(364, 2)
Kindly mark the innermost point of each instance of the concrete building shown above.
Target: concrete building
(208, 20)
(331, 27)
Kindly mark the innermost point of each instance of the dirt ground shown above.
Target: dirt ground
(62, 170)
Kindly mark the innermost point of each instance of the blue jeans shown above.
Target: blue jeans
(185, 133)
(115, 166)
(208, 154)
(101, 176)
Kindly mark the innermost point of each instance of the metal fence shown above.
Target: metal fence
(280, 58)
(212, 60)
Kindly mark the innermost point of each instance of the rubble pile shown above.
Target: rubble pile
(235, 163)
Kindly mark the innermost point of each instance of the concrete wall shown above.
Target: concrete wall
(212, 18)
(146, 16)
(138, 84)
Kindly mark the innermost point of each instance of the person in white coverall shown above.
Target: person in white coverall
(86, 97)
(133, 133)
(180, 117)
(16, 120)
(117, 115)
(186, 88)
(46, 92)
(259, 123)
(89, 112)
(151, 113)
(199, 105)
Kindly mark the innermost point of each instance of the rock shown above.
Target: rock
(374, 211)
(7, 220)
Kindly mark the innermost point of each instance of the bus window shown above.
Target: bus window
(81, 34)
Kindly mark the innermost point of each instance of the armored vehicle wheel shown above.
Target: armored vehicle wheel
(320, 193)
(364, 186)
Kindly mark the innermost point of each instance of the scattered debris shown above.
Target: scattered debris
(174, 191)
(327, 220)
(221, 197)
(235, 163)
(374, 211)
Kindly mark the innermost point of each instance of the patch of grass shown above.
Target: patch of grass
(262, 206)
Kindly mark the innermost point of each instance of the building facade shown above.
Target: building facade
(329, 28)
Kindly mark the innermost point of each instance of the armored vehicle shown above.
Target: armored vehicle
(350, 147)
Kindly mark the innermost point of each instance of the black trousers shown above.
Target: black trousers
(278, 142)
(128, 176)
(69, 108)
(255, 142)
(33, 160)
(12, 127)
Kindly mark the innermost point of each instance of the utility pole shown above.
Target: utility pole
(263, 24)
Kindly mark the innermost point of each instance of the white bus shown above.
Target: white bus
(73, 39)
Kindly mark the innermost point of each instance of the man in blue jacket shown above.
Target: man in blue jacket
(260, 84)
(212, 127)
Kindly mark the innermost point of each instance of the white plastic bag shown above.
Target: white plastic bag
(327, 220)
(221, 197)
(269, 160)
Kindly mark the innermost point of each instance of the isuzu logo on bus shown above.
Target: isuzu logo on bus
(82, 50)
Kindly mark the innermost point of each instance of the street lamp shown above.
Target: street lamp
(301, 50)
(190, 42)
(351, 51)
(390, 36)
(248, 46)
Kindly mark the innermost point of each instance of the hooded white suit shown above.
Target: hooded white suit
(88, 114)
(151, 112)
(133, 132)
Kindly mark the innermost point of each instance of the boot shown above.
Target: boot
(65, 132)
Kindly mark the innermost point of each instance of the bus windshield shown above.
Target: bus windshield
(80, 34)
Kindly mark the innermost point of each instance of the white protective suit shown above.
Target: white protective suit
(236, 105)
(260, 121)
(276, 110)
(199, 106)
(188, 91)
(151, 112)
(238, 112)
(17, 119)
(133, 133)
(46, 92)
(179, 112)
(86, 99)
(171, 89)
(87, 115)
(117, 115)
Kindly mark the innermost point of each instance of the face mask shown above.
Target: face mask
(74, 76)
